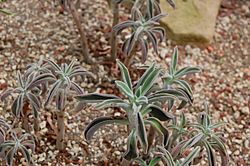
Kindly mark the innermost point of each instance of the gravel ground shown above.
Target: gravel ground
(39, 29)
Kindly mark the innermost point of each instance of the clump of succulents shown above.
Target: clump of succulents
(147, 102)
(142, 104)
(33, 86)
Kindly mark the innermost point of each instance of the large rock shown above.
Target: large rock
(192, 21)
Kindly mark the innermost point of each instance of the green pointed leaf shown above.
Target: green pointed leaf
(174, 61)
(149, 81)
(155, 161)
(112, 103)
(125, 74)
(193, 141)
(145, 75)
(141, 132)
(184, 85)
(160, 128)
(125, 89)
(132, 151)
(183, 120)
(186, 70)
(210, 153)
(182, 105)
(167, 157)
(217, 125)
(142, 100)
(138, 92)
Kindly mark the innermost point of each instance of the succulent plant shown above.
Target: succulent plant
(206, 135)
(173, 78)
(139, 106)
(141, 28)
(28, 91)
(203, 134)
(60, 90)
(10, 148)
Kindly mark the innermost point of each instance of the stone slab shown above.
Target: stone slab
(193, 21)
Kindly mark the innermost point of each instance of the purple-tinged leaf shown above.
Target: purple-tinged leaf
(131, 44)
(52, 92)
(171, 3)
(153, 39)
(160, 31)
(41, 79)
(17, 105)
(119, 27)
(158, 17)
(95, 97)
(176, 151)
(6, 93)
(210, 153)
(79, 72)
(190, 157)
(55, 66)
(20, 79)
(144, 47)
(25, 153)
(77, 88)
(159, 113)
(98, 122)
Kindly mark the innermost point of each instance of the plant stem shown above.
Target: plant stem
(36, 124)
(125, 162)
(25, 119)
(113, 42)
(60, 130)
(84, 42)
(131, 56)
